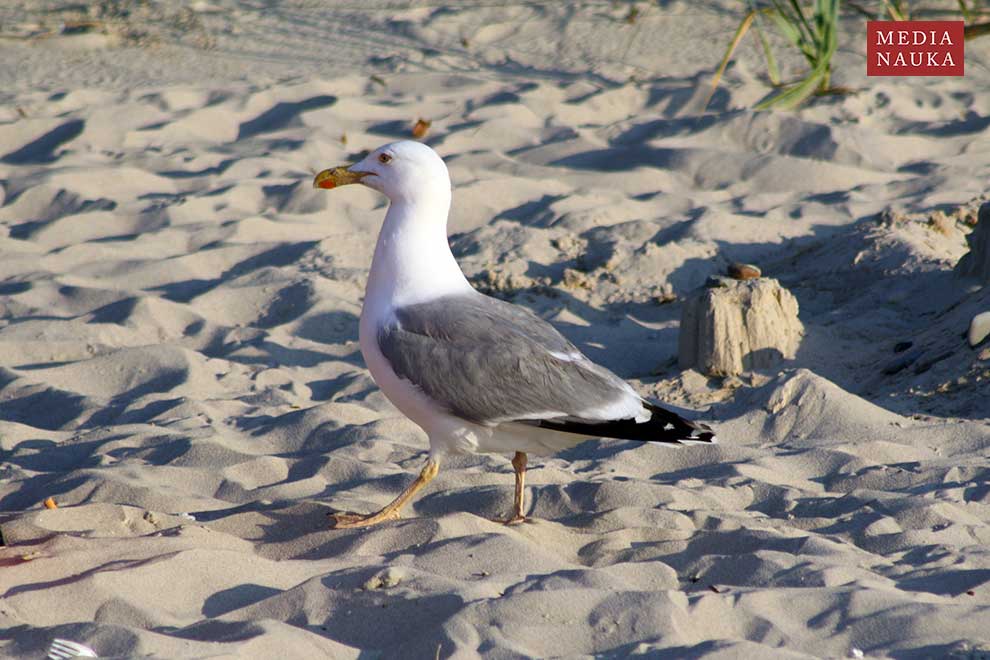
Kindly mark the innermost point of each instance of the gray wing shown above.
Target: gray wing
(489, 362)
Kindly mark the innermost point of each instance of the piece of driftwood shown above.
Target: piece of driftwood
(732, 326)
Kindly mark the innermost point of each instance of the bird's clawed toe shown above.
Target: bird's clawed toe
(352, 520)
(514, 520)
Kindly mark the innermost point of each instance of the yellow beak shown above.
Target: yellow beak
(337, 176)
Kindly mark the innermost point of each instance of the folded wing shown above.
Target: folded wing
(491, 362)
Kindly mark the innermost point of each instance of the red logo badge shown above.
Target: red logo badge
(914, 48)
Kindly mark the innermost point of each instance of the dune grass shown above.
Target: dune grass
(813, 30)
(815, 36)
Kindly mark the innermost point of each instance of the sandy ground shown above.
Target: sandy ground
(180, 369)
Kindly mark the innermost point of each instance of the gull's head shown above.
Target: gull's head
(402, 171)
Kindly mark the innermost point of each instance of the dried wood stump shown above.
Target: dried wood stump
(732, 326)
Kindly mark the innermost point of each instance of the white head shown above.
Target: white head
(412, 258)
(406, 171)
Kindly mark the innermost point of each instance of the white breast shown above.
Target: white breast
(405, 396)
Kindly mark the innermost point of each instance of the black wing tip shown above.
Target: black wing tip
(683, 431)
(701, 434)
(663, 426)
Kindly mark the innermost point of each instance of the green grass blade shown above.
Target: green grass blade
(772, 69)
(895, 10)
(826, 14)
(828, 21)
(965, 11)
(800, 14)
(791, 31)
(786, 27)
(736, 38)
(796, 94)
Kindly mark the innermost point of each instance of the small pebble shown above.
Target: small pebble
(738, 271)
(979, 328)
(421, 128)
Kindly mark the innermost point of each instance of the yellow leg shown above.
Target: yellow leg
(519, 465)
(391, 511)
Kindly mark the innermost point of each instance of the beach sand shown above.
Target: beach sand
(179, 366)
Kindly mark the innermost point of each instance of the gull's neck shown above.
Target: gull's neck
(412, 261)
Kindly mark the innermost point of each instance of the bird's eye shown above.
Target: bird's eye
(384, 159)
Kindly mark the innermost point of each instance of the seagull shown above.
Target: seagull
(477, 374)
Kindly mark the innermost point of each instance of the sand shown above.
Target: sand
(179, 365)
